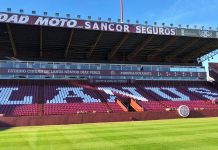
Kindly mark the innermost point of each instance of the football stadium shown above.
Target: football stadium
(73, 83)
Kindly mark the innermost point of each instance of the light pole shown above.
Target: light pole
(121, 11)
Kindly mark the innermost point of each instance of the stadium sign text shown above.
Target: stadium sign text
(70, 93)
(84, 24)
(76, 72)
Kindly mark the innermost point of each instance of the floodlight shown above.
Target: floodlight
(8, 9)
(21, 11)
(78, 16)
(33, 12)
(68, 15)
(45, 13)
(57, 14)
(109, 19)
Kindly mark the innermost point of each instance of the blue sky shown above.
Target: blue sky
(192, 12)
(200, 12)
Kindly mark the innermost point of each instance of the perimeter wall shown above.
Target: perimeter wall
(95, 118)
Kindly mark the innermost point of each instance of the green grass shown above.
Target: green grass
(196, 134)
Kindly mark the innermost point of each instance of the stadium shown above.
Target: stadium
(62, 71)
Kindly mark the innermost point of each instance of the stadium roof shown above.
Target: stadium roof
(31, 37)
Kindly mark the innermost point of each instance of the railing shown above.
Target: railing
(98, 66)
(65, 70)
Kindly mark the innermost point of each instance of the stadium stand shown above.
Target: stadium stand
(21, 98)
(18, 98)
(213, 71)
(79, 69)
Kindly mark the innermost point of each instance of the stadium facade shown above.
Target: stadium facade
(93, 71)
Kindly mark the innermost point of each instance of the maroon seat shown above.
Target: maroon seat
(115, 107)
(26, 96)
(72, 108)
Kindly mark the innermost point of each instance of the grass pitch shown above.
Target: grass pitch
(196, 134)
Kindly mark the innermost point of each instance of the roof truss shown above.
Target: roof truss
(182, 49)
(11, 40)
(94, 45)
(117, 47)
(198, 51)
(68, 43)
(139, 48)
(163, 47)
(41, 41)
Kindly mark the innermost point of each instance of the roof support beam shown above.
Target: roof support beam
(139, 48)
(94, 45)
(197, 52)
(41, 41)
(68, 43)
(117, 47)
(182, 49)
(11, 40)
(188, 45)
(168, 43)
(163, 47)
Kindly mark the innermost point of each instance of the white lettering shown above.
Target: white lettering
(5, 94)
(119, 28)
(87, 25)
(138, 29)
(71, 23)
(13, 19)
(144, 30)
(167, 31)
(159, 92)
(161, 31)
(126, 28)
(155, 30)
(111, 27)
(104, 26)
(205, 93)
(63, 21)
(173, 32)
(65, 93)
(54, 22)
(42, 21)
(95, 26)
(112, 92)
(3, 17)
(23, 19)
(149, 30)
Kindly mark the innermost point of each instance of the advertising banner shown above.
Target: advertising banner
(103, 26)
(73, 72)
